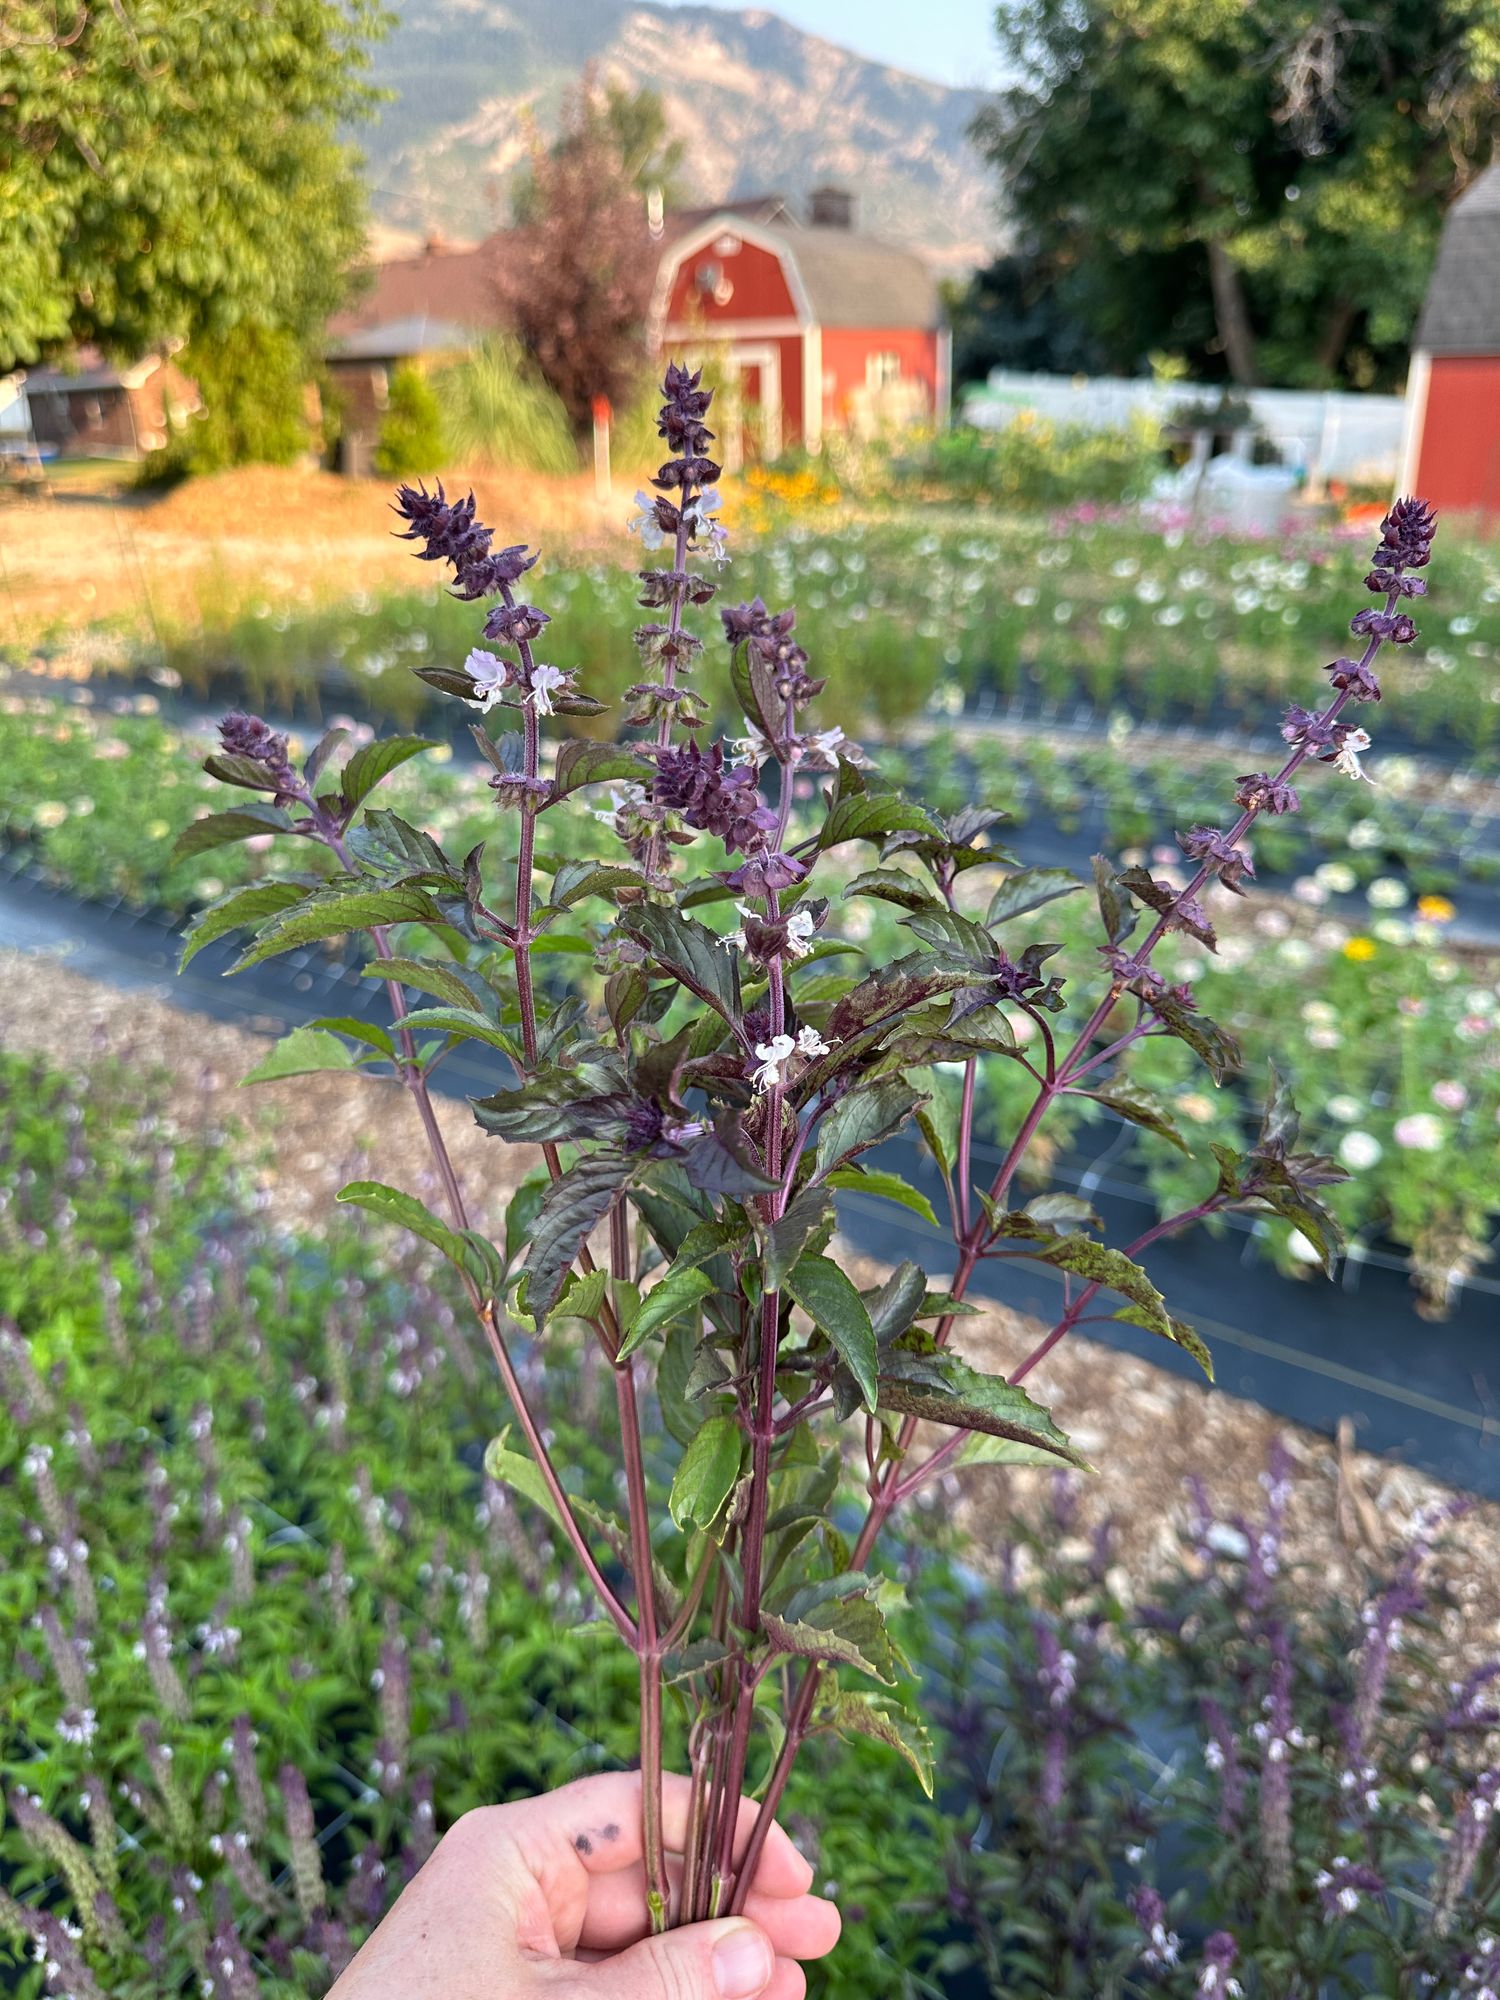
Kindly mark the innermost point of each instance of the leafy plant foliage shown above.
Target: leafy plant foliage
(695, 1090)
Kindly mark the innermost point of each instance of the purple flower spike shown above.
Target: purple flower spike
(1209, 843)
(1406, 536)
(1356, 679)
(1220, 1955)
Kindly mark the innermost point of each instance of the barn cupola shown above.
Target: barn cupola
(831, 208)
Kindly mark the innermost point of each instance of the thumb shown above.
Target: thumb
(728, 1960)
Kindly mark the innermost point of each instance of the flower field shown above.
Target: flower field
(1390, 1031)
(927, 606)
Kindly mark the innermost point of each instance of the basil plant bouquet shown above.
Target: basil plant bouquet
(724, 1068)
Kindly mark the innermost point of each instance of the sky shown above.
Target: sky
(951, 40)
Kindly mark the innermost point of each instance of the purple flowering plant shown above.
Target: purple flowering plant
(706, 1089)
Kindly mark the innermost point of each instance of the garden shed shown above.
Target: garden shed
(94, 408)
(1453, 391)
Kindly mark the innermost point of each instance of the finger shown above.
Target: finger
(802, 1927)
(728, 1960)
(798, 1926)
(599, 1818)
(788, 1982)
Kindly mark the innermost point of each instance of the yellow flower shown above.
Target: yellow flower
(1436, 909)
(1360, 949)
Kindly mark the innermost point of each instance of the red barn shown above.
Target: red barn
(1452, 455)
(811, 326)
(819, 328)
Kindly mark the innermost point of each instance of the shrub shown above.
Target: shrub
(497, 410)
(1033, 462)
(253, 385)
(412, 439)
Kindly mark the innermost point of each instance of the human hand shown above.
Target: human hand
(547, 1898)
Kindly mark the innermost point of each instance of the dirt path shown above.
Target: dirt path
(1147, 1430)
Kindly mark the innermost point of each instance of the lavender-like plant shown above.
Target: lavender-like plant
(705, 1092)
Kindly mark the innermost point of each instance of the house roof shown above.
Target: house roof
(441, 286)
(395, 340)
(91, 371)
(1462, 313)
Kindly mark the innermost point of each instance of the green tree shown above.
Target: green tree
(252, 382)
(411, 442)
(173, 171)
(1272, 176)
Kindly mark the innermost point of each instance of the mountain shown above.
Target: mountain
(761, 105)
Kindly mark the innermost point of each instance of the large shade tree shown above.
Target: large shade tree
(174, 169)
(1258, 188)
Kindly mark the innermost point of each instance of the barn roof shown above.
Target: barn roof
(849, 279)
(855, 280)
(1462, 313)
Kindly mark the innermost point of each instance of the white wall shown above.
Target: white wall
(1330, 435)
(15, 420)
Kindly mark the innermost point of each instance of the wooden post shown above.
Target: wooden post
(602, 413)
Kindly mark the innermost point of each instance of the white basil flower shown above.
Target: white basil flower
(645, 524)
(545, 681)
(490, 675)
(774, 1056)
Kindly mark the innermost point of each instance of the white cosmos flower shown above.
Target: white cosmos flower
(810, 1043)
(773, 1055)
(1359, 1151)
(545, 681)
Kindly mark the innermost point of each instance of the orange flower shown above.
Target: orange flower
(1360, 949)
(1436, 909)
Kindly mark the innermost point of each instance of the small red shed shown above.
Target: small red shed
(821, 328)
(1452, 455)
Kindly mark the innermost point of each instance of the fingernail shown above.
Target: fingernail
(742, 1963)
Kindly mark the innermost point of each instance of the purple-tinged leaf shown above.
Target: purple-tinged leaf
(570, 1208)
(219, 829)
(1029, 889)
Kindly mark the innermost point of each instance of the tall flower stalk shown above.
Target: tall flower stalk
(709, 1088)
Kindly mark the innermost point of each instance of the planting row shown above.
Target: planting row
(1390, 1033)
(277, 1629)
(73, 777)
(1162, 624)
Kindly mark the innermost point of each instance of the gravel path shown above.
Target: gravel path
(1147, 1430)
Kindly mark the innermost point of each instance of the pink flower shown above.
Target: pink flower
(1450, 1094)
(1420, 1133)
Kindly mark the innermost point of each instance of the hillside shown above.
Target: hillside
(761, 105)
